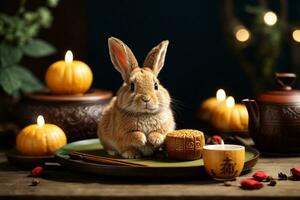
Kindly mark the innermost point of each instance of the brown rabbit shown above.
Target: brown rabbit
(137, 120)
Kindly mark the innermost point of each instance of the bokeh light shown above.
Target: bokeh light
(242, 34)
(270, 18)
(296, 35)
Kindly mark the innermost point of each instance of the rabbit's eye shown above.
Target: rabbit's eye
(155, 86)
(131, 87)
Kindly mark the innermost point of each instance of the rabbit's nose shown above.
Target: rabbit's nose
(146, 98)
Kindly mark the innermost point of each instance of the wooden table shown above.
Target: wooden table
(63, 184)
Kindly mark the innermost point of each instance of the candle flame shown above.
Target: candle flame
(230, 101)
(40, 120)
(221, 95)
(69, 57)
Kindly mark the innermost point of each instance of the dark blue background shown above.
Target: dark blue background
(197, 63)
(198, 60)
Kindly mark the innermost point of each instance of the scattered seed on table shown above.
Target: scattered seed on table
(35, 182)
(272, 183)
(268, 179)
(227, 183)
(282, 176)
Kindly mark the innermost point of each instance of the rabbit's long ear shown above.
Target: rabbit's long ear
(156, 57)
(122, 57)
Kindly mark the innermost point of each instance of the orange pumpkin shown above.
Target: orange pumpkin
(207, 108)
(209, 105)
(230, 116)
(69, 77)
(40, 139)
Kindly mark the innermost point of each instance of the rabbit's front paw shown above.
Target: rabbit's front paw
(147, 150)
(137, 139)
(111, 152)
(131, 154)
(156, 139)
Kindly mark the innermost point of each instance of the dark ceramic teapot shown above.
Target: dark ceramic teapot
(274, 117)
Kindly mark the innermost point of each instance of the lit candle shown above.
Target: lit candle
(221, 95)
(69, 57)
(40, 139)
(210, 104)
(230, 116)
(230, 102)
(69, 76)
(40, 121)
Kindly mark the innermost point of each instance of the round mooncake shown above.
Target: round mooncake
(185, 144)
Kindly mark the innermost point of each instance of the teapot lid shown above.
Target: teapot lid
(285, 93)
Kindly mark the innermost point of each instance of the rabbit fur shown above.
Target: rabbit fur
(137, 119)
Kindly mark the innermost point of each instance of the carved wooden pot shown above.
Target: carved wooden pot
(77, 115)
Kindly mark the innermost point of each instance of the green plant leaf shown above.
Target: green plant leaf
(52, 3)
(253, 9)
(29, 82)
(38, 48)
(9, 80)
(9, 55)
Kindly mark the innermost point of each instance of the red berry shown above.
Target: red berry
(260, 175)
(251, 184)
(216, 139)
(37, 171)
(296, 172)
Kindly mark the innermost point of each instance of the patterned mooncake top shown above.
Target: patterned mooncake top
(186, 133)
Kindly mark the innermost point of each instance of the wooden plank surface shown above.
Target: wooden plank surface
(64, 184)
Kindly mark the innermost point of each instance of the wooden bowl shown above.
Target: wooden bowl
(16, 158)
(77, 115)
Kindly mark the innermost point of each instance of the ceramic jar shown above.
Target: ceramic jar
(77, 115)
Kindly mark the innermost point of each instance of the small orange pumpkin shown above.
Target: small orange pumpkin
(230, 116)
(69, 77)
(208, 106)
(40, 139)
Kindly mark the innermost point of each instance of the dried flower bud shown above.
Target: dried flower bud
(296, 173)
(260, 176)
(251, 184)
(37, 171)
(216, 139)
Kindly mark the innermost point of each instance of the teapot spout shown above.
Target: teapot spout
(253, 111)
